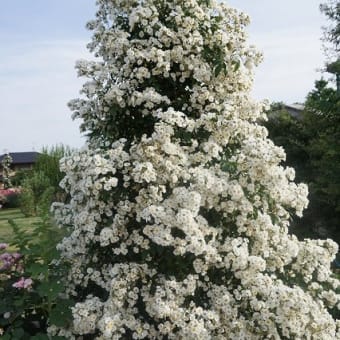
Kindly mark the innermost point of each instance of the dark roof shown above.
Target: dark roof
(22, 157)
(295, 109)
(295, 106)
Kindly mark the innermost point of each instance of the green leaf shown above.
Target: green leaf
(237, 65)
(61, 314)
(218, 69)
(18, 333)
(40, 336)
(19, 302)
(4, 307)
(50, 289)
(37, 268)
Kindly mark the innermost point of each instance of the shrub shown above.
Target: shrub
(18, 178)
(36, 194)
(31, 284)
(10, 198)
(40, 186)
(13, 200)
(180, 205)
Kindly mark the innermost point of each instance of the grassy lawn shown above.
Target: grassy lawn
(26, 223)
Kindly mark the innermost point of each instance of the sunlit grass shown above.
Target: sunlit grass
(6, 231)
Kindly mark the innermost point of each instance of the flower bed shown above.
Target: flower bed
(9, 198)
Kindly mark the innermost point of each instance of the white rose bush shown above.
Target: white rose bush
(180, 205)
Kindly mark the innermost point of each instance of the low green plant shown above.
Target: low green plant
(9, 198)
(40, 185)
(20, 175)
(31, 283)
(36, 194)
(13, 200)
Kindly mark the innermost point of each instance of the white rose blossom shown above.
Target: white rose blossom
(180, 206)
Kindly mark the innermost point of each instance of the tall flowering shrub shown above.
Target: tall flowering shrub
(180, 205)
(6, 170)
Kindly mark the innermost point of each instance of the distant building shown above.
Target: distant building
(295, 109)
(20, 161)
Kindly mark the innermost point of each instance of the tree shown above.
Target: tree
(48, 164)
(312, 145)
(40, 185)
(322, 121)
(290, 132)
(36, 194)
(331, 38)
(179, 207)
(331, 9)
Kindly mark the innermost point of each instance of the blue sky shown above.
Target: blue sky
(41, 40)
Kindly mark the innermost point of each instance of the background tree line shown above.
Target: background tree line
(312, 145)
(312, 140)
(40, 185)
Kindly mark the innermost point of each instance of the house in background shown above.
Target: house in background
(20, 161)
(295, 109)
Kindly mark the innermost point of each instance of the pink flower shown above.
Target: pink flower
(8, 260)
(6, 257)
(3, 246)
(23, 283)
(16, 256)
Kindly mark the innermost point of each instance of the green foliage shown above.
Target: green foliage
(323, 124)
(29, 307)
(19, 177)
(289, 132)
(12, 200)
(40, 186)
(37, 194)
(312, 144)
(25, 313)
(48, 163)
(322, 105)
(27, 201)
(331, 9)
(9, 198)
(331, 38)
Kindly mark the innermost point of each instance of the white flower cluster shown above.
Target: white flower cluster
(181, 231)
